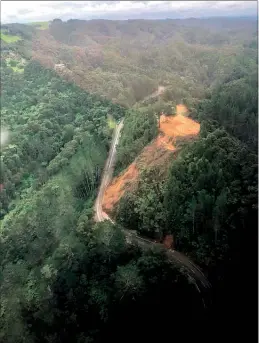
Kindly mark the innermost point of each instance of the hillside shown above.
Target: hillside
(127, 60)
(64, 278)
(48, 121)
(173, 129)
(186, 172)
(208, 200)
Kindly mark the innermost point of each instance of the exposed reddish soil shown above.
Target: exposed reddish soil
(168, 241)
(182, 109)
(158, 152)
(165, 142)
(178, 126)
(118, 187)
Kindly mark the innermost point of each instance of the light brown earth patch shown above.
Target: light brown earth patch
(178, 126)
(118, 187)
(182, 109)
(158, 153)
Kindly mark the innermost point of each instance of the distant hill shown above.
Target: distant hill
(126, 60)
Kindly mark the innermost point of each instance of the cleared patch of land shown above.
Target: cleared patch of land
(8, 38)
(41, 25)
(111, 122)
(117, 188)
(15, 65)
(178, 126)
(158, 152)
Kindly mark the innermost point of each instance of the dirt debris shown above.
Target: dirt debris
(158, 152)
(118, 187)
(178, 126)
(182, 109)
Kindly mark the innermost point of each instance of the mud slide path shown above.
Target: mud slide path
(178, 258)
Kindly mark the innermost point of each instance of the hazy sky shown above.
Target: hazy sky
(28, 11)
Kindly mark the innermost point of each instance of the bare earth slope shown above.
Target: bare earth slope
(194, 273)
(158, 152)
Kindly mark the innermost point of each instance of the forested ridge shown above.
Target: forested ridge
(48, 120)
(228, 113)
(126, 60)
(64, 278)
(209, 199)
(139, 129)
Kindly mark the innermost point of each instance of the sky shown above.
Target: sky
(31, 11)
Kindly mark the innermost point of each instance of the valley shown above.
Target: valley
(102, 196)
(128, 178)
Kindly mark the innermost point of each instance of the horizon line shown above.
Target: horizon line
(133, 19)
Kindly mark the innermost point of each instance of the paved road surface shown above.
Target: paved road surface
(107, 174)
(178, 258)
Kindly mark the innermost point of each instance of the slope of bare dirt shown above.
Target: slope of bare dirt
(178, 126)
(158, 152)
(118, 187)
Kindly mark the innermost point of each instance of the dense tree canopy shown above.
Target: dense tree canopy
(127, 60)
(209, 200)
(64, 278)
(139, 128)
(233, 103)
(48, 121)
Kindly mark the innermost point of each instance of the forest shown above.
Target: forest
(65, 278)
(139, 129)
(49, 120)
(125, 61)
(209, 199)
(228, 117)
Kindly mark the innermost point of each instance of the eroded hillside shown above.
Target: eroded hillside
(158, 153)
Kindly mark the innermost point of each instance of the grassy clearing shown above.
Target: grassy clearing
(6, 37)
(17, 70)
(41, 25)
(111, 122)
(16, 66)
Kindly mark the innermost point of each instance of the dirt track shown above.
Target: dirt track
(160, 90)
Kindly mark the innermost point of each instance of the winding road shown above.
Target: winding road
(193, 271)
(107, 175)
